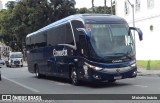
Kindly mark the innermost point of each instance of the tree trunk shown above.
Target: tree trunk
(93, 6)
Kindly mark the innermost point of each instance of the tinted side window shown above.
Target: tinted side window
(40, 39)
(56, 35)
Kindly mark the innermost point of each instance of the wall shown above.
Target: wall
(145, 19)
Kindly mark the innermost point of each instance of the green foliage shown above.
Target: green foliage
(25, 16)
(83, 10)
(149, 64)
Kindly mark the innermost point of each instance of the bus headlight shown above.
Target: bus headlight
(133, 65)
(98, 68)
(93, 67)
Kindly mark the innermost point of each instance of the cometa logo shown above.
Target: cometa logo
(116, 61)
(60, 52)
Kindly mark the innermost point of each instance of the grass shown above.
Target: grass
(149, 64)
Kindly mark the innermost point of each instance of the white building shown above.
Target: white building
(147, 18)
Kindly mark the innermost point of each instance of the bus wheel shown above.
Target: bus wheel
(38, 75)
(74, 77)
(112, 81)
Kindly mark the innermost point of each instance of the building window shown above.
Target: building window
(150, 3)
(138, 5)
(126, 7)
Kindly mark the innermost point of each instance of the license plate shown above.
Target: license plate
(118, 77)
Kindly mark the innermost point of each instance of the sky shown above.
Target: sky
(79, 3)
(88, 3)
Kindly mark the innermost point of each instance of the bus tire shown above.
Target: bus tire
(74, 77)
(38, 75)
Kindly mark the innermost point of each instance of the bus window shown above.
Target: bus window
(77, 24)
(59, 33)
(69, 35)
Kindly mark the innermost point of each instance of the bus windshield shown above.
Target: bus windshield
(111, 40)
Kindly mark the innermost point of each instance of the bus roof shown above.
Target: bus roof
(85, 18)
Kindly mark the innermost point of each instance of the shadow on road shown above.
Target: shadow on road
(104, 84)
(88, 84)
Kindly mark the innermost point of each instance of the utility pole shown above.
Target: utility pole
(133, 17)
(132, 5)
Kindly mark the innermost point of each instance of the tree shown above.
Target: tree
(10, 4)
(93, 6)
(25, 16)
(6, 26)
(83, 10)
(61, 9)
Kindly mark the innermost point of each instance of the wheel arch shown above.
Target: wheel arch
(71, 65)
(35, 66)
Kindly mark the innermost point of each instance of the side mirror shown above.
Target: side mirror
(139, 32)
(82, 30)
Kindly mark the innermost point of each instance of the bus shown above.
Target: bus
(84, 47)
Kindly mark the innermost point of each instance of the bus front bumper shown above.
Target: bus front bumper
(93, 75)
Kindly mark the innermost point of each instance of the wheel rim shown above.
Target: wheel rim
(74, 77)
(37, 74)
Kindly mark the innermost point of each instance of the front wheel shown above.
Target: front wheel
(74, 77)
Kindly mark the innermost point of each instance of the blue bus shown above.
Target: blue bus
(84, 47)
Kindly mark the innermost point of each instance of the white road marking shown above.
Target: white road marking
(59, 83)
(63, 84)
(143, 86)
(27, 87)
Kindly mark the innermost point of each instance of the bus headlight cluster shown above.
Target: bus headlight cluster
(97, 68)
(133, 65)
(93, 67)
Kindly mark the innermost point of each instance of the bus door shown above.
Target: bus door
(50, 62)
(60, 54)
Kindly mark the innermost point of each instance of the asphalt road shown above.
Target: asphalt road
(20, 81)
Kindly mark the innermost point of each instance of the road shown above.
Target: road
(20, 81)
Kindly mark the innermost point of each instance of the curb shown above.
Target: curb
(148, 74)
(155, 75)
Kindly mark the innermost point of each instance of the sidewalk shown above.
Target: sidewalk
(144, 72)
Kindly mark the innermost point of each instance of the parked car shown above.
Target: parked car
(15, 59)
(2, 62)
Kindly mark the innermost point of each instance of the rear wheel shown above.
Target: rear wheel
(74, 77)
(38, 75)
